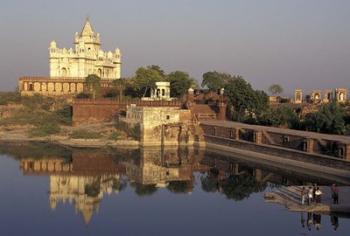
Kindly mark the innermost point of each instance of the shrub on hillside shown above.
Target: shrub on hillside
(64, 115)
(115, 135)
(83, 95)
(38, 102)
(131, 131)
(8, 97)
(45, 129)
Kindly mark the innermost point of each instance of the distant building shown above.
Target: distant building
(70, 67)
(341, 95)
(298, 96)
(338, 95)
(316, 96)
(86, 58)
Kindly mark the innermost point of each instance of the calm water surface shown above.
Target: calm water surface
(48, 190)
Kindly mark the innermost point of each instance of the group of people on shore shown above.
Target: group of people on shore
(313, 194)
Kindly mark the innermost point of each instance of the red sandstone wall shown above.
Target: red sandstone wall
(87, 110)
(91, 112)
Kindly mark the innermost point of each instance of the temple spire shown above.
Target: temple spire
(87, 28)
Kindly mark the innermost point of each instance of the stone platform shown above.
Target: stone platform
(290, 197)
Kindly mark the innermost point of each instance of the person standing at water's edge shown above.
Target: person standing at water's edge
(314, 188)
(310, 195)
(303, 195)
(335, 194)
(318, 194)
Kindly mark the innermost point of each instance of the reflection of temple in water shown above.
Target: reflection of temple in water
(83, 181)
(84, 177)
(86, 192)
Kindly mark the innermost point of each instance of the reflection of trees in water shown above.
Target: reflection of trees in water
(209, 181)
(144, 190)
(119, 184)
(180, 186)
(236, 187)
(93, 189)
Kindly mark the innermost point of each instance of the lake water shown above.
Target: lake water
(49, 190)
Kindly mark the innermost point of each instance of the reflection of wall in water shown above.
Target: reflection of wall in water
(40, 166)
(158, 167)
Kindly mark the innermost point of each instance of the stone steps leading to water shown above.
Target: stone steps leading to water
(287, 195)
(291, 198)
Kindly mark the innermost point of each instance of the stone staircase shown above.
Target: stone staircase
(203, 112)
(291, 193)
(291, 198)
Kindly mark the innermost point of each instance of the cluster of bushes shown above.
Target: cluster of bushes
(115, 135)
(9, 97)
(131, 131)
(330, 118)
(45, 129)
(44, 113)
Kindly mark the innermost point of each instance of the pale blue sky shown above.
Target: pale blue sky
(297, 43)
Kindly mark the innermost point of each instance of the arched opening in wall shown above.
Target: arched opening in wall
(64, 72)
(99, 73)
(30, 87)
(341, 97)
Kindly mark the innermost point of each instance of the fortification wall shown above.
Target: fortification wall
(103, 110)
(90, 111)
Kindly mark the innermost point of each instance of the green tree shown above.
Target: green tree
(283, 116)
(119, 86)
(93, 83)
(329, 119)
(214, 80)
(145, 79)
(275, 89)
(180, 82)
(158, 69)
(244, 99)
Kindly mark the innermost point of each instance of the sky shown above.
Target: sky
(295, 43)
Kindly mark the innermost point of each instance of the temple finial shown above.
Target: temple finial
(87, 28)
